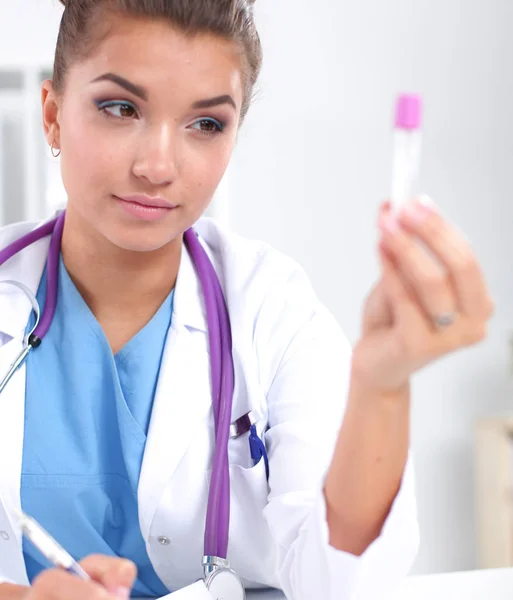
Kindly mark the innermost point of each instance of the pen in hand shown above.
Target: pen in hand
(48, 547)
(114, 576)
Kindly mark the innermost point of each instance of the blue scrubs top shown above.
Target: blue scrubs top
(86, 420)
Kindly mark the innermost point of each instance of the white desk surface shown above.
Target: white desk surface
(492, 584)
(250, 595)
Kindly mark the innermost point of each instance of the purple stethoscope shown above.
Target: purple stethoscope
(221, 581)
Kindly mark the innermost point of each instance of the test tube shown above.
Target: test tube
(407, 149)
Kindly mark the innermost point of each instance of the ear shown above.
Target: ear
(50, 105)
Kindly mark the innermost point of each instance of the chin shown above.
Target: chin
(139, 247)
(138, 236)
(147, 241)
(142, 245)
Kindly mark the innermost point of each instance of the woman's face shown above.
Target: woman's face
(151, 114)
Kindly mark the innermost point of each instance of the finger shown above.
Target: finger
(57, 584)
(419, 340)
(377, 312)
(385, 206)
(116, 574)
(430, 282)
(453, 250)
(402, 302)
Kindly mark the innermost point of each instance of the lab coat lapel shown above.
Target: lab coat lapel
(15, 309)
(183, 396)
(12, 412)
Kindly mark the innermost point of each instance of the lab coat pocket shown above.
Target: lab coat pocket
(251, 550)
(240, 448)
(239, 452)
(248, 483)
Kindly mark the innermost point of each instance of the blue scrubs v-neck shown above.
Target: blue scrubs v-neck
(87, 414)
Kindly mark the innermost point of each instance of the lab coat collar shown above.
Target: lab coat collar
(188, 305)
(27, 267)
(183, 397)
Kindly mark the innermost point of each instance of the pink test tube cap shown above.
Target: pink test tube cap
(408, 114)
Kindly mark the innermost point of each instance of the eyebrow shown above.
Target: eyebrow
(209, 102)
(142, 93)
(137, 90)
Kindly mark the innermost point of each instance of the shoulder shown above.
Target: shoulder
(253, 267)
(231, 251)
(12, 232)
(26, 264)
(272, 294)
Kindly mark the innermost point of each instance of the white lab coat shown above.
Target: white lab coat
(292, 365)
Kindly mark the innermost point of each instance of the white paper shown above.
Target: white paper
(196, 591)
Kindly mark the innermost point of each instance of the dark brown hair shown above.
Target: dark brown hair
(230, 19)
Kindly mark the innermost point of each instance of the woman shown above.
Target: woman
(110, 434)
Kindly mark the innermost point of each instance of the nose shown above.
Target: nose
(156, 159)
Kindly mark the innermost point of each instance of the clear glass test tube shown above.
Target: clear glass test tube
(407, 149)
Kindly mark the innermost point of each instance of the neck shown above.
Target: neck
(114, 281)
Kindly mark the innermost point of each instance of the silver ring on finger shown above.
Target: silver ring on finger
(444, 320)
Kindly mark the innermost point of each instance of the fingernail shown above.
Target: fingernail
(127, 566)
(426, 202)
(122, 593)
(389, 222)
(418, 209)
(413, 212)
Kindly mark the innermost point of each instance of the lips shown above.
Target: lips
(145, 208)
(148, 201)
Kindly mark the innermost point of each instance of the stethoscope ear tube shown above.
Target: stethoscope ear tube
(52, 274)
(33, 301)
(42, 324)
(30, 341)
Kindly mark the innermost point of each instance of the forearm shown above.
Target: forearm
(12, 592)
(367, 466)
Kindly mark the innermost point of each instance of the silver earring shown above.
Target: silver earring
(52, 150)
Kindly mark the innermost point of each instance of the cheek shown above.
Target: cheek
(87, 157)
(204, 170)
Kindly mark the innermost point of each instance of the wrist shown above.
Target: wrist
(365, 385)
(365, 394)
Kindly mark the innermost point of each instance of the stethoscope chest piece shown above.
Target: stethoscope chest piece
(224, 584)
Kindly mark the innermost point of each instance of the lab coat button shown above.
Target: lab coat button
(163, 540)
(5, 536)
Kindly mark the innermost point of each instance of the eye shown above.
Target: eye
(208, 126)
(117, 109)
